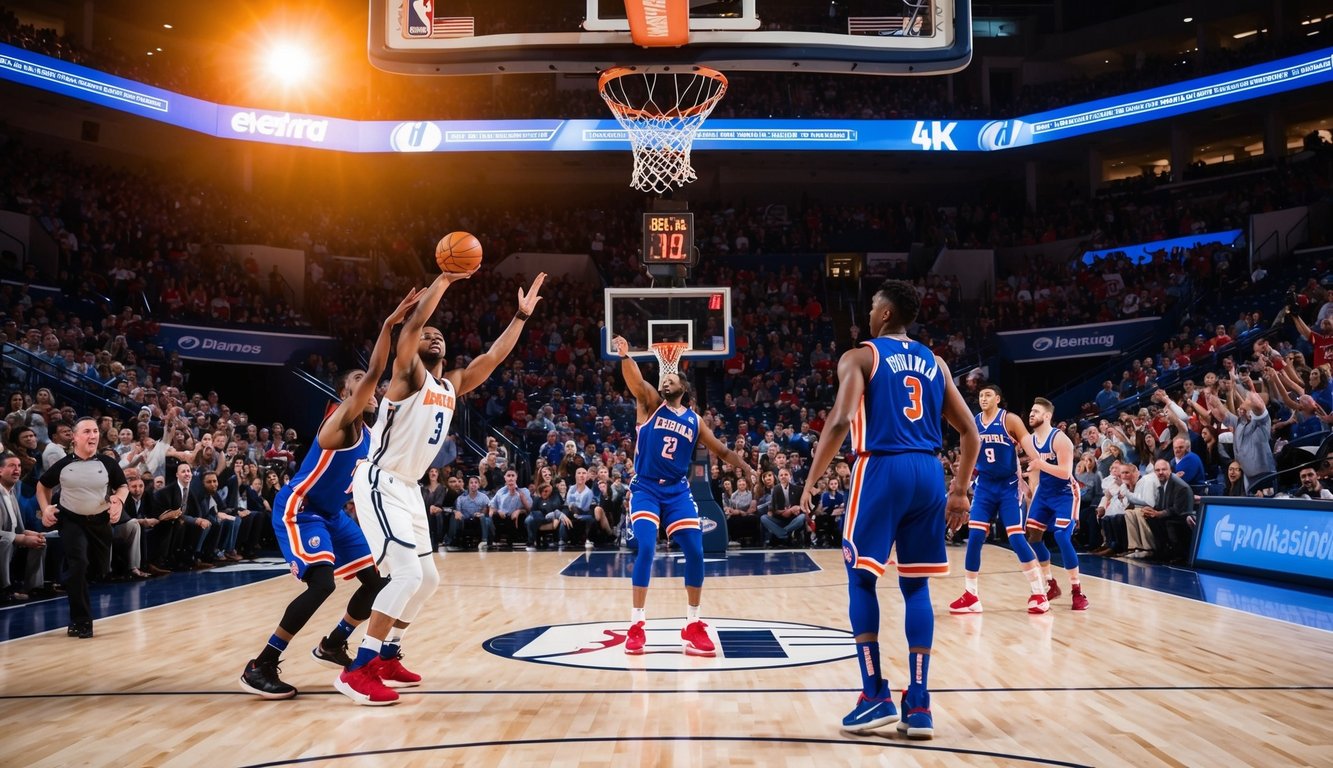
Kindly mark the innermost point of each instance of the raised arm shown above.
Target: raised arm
(645, 395)
(406, 366)
(482, 366)
(349, 409)
(1301, 327)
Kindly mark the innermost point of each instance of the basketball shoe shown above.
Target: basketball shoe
(333, 657)
(1038, 604)
(1079, 602)
(968, 603)
(869, 714)
(695, 640)
(262, 680)
(392, 673)
(634, 639)
(362, 686)
(1052, 589)
(917, 722)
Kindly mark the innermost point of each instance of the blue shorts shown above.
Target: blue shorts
(669, 506)
(996, 497)
(1053, 511)
(308, 537)
(896, 500)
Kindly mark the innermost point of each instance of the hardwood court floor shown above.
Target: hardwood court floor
(1143, 678)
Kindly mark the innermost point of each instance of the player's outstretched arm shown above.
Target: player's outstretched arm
(333, 432)
(721, 451)
(956, 412)
(405, 363)
(853, 367)
(646, 398)
(482, 366)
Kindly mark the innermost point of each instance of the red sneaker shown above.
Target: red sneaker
(392, 672)
(1052, 589)
(1080, 603)
(968, 603)
(634, 639)
(1038, 604)
(696, 640)
(362, 686)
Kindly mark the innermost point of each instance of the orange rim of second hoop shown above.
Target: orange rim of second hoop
(625, 110)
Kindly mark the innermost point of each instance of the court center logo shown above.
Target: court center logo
(741, 644)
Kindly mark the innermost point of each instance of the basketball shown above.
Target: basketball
(458, 252)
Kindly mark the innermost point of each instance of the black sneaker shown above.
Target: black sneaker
(333, 657)
(262, 680)
(83, 630)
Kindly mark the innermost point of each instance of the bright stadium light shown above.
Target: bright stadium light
(290, 64)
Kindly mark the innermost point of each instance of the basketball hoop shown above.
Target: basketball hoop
(668, 357)
(662, 113)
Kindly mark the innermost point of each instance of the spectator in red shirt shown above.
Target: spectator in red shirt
(1321, 341)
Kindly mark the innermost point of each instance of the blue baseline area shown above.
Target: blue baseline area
(618, 565)
(116, 598)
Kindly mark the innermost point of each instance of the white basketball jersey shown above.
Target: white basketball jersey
(407, 433)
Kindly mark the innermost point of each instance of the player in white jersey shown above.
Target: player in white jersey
(414, 416)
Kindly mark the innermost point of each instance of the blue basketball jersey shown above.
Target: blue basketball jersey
(1049, 484)
(324, 481)
(998, 459)
(904, 399)
(665, 445)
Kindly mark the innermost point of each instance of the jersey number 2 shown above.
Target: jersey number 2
(669, 448)
(439, 428)
(913, 410)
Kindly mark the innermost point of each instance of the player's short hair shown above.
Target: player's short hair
(1044, 404)
(340, 381)
(902, 295)
(999, 395)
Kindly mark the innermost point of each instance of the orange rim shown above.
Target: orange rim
(625, 110)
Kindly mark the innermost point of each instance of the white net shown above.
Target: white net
(662, 113)
(668, 358)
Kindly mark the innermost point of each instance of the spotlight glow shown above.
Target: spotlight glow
(290, 64)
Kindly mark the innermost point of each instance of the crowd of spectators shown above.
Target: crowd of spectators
(377, 96)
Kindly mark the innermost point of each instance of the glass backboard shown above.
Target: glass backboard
(698, 316)
(461, 37)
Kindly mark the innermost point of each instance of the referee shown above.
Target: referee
(92, 492)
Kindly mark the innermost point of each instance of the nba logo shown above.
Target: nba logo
(420, 17)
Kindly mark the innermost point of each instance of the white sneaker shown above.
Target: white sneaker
(530, 548)
(587, 544)
(482, 547)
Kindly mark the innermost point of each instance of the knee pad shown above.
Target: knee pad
(1042, 553)
(862, 602)
(691, 541)
(404, 580)
(319, 581)
(363, 599)
(1021, 547)
(429, 581)
(645, 542)
(918, 616)
(976, 539)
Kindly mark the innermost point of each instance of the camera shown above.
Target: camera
(1291, 301)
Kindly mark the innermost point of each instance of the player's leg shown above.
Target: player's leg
(1064, 537)
(645, 511)
(985, 504)
(867, 539)
(352, 557)
(682, 524)
(389, 666)
(1041, 516)
(921, 554)
(1011, 517)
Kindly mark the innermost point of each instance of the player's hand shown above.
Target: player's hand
(404, 307)
(620, 346)
(449, 278)
(957, 507)
(528, 301)
(807, 500)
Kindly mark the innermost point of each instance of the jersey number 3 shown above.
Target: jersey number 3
(439, 428)
(912, 410)
(669, 447)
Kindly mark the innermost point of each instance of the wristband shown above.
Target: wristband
(521, 315)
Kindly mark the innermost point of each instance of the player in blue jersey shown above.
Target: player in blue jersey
(892, 391)
(995, 494)
(1055, 499)
(316, 536)
(660, 494)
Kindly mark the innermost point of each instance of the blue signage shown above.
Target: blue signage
(320, 132)
(231, 345)
(1142, 253)
(1074, 340)
(1283, 539)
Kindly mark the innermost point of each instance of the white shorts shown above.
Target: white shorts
(391, 512)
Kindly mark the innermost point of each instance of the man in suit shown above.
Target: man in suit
(1167, 516)
(189, 531)
(129, 533)
(140, 511)
(15, 537)
(784, 512)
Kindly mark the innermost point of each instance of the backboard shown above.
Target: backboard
(468, 37)
(698, 316)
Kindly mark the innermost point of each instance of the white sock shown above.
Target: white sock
(691, 614)
(970, 583)
(1033, 573)
(638, 615)
(1046, 571)
(1073, 578)
(372, 644)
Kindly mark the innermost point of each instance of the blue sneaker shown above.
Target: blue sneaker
(917, 722)
(869, 714)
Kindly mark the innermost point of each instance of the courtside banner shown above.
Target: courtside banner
(231, 345)
(1286, 539)
(1068, 341)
